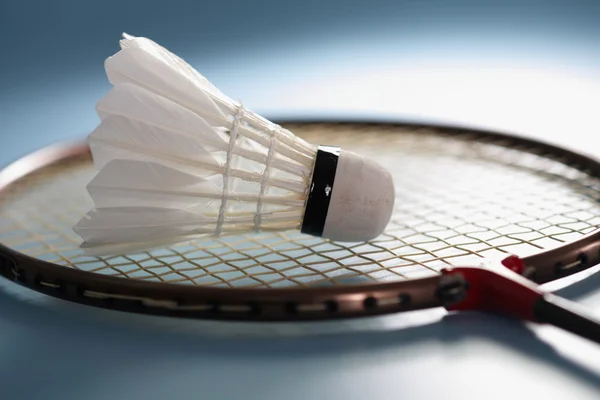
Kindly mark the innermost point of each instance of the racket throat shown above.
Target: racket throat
(500, 291)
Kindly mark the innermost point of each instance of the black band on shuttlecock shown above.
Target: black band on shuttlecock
(320, 190)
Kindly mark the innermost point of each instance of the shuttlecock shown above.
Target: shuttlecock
(177, 159)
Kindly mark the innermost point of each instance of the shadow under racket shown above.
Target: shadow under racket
(136, 336)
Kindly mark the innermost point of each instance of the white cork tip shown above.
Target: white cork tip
(362, 200)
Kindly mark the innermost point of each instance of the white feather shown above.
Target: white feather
(118, 137)
(137, 103)
(130, 183)
(121, 224)
(137, 228)
(151, 63)
(172, 126)
(104, 249)
(174, 61)
(137, 66)
(142, 224)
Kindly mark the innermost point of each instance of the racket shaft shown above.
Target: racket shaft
(567, 315)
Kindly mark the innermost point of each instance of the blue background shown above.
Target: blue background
(527, 67)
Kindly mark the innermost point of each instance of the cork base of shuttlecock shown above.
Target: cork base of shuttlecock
(362, 200)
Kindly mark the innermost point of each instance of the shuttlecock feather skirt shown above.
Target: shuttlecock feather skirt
(177, 159)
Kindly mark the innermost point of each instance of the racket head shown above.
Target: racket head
(463, 196)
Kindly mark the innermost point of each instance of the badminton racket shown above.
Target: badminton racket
(480, 220)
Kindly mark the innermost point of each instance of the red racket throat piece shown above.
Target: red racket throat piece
(507, 292)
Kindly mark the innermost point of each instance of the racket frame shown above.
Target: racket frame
(278, 304)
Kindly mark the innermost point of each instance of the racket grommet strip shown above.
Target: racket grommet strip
(404, 300)
(80, 291)
(46, 284)
(332, 306)
(254, 308)
(370, 302)
(563, 269)
(8, 267)
(559, 268)
(21, 275)
(215, 306)
(583, 260)
(291, 307)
